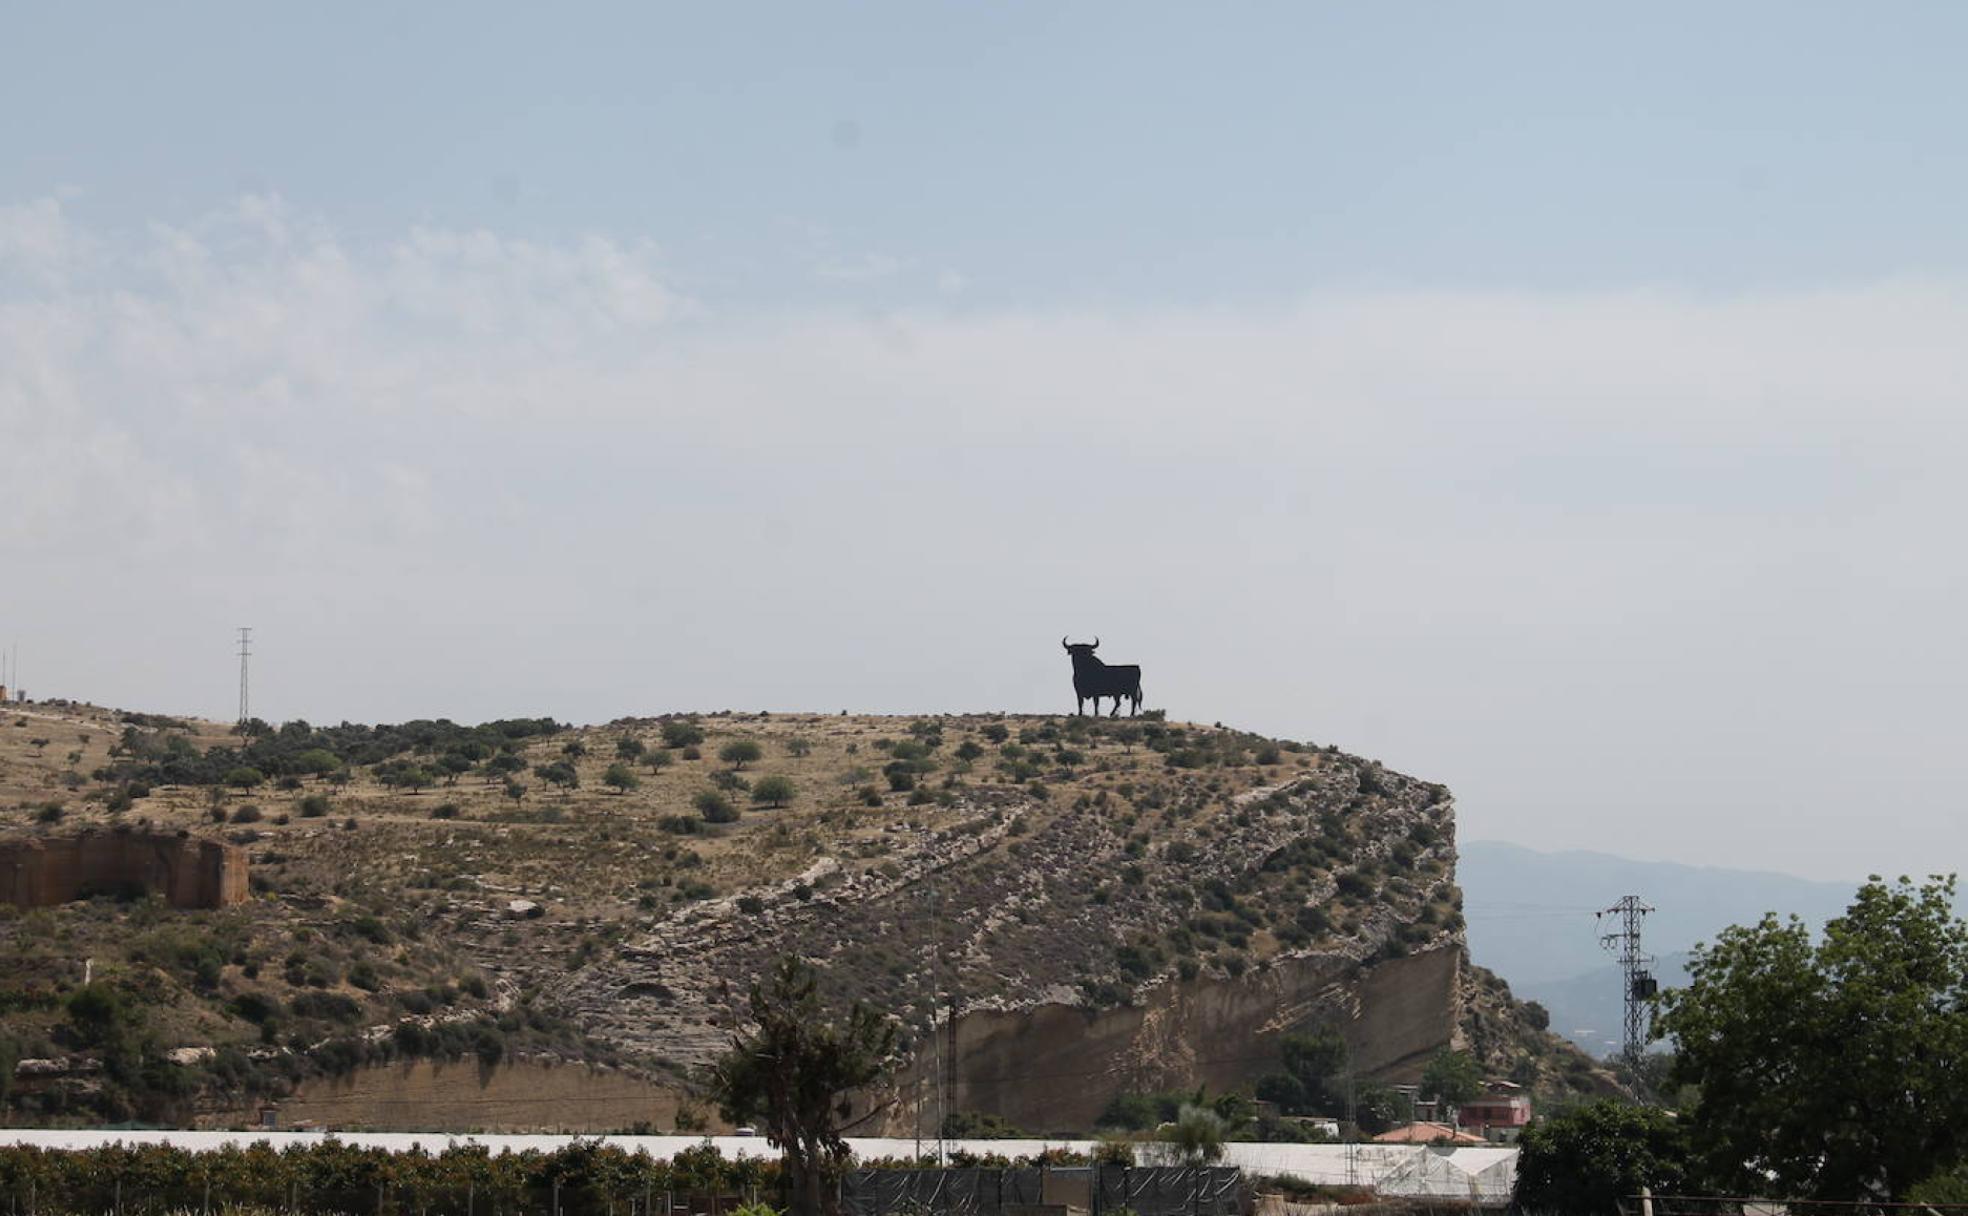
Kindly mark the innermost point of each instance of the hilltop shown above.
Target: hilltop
(1142, 904)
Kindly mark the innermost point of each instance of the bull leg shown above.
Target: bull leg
(1116, 711)
(1079, 709)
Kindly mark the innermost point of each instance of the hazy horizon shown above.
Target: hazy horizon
(1543, 401)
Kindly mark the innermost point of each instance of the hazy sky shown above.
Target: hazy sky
(1562, 402)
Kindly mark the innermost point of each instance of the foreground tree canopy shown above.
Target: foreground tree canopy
(794, 1074)
(1834, 1070)
(1588, 1159)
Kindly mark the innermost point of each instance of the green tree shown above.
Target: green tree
(1316, 1061)
(515, 791)
(1451, 1078)
(716, 808)
(799, 747)
(1590, 1158)
(560, 773)
(1947, 1188)
(793, 1075)
(1836, 1070)
(1378, 1107)
(658, 758)
(628, 748)
(316, 762)
(740, 752)
(774, 791)
(100, 1016)
(681, 732)
(244, 777)
(621, 778)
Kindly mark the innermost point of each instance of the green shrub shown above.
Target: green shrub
(328, 1006)
(715, 807)
(774, 791)
(682, 733)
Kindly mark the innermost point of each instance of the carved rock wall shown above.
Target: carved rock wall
(184, 871)
(1054, 1067)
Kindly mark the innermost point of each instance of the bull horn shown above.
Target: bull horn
(1096, 641)
(1062, 642)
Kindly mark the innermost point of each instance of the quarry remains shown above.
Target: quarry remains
(181, 870)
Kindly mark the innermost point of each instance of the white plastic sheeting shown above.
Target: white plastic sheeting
(1482, 1174)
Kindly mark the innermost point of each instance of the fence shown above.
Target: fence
(1148, 1191)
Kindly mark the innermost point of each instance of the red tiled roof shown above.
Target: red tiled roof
(1427, 1133)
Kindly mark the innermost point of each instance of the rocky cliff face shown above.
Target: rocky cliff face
(181, 870)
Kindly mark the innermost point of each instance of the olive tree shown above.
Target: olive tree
(793, 1073)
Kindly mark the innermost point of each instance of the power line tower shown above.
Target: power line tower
(245, 652)
(1636, 971)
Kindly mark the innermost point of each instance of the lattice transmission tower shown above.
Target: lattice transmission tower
(245, 652)
(1636, 973)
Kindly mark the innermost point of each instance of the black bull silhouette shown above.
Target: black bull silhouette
(1095, 679)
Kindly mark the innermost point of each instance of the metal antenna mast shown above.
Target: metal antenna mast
(1636, 970)
(245, 651)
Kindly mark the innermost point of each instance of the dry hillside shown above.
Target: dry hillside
(1127, 893)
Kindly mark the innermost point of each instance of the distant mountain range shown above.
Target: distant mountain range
(1531, 921)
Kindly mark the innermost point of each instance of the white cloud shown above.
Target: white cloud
(1575, 554)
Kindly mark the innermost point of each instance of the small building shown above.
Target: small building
(1503, 1111)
